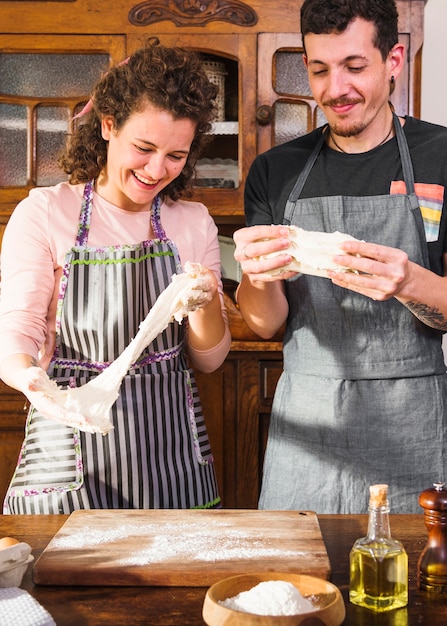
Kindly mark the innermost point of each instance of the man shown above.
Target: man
(363, 395)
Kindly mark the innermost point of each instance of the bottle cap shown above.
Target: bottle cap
(378, 496)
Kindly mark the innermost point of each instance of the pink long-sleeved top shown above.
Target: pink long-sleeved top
(43, 228)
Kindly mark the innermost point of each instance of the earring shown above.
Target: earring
(392, 84)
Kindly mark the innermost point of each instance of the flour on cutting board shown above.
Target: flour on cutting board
(176, 541)
(180, 547)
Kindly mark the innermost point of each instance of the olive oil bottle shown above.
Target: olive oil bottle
(378, 563)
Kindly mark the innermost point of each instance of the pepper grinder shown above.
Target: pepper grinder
(432, 564)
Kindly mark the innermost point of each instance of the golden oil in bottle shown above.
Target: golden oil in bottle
(378, 563)
(379, 578)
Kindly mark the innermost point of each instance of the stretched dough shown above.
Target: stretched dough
(88, 407)
(313, 251)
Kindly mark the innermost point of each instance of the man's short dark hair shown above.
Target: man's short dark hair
(333, 16)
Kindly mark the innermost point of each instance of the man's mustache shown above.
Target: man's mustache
(340, 102)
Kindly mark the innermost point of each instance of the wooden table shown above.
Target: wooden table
(182, 606)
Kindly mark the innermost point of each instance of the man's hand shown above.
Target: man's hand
(255, 242)
(379, 272)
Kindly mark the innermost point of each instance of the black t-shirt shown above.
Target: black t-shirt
(274, 173)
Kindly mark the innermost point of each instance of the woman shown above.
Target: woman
(95, 254)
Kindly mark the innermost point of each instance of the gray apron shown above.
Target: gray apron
(158, 454)
(362, 398)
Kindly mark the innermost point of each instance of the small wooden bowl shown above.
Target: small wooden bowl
(323, 594)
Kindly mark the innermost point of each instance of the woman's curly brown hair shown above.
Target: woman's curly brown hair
(171, 79)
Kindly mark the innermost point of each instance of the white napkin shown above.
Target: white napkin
(18, 607)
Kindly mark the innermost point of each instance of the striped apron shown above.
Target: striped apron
(158, 454)
(363, 395)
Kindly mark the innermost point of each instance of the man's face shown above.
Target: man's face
(349, 79)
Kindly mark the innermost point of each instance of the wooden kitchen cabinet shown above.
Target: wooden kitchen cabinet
(267, 101)
(267, 98)
(12, 423)
(237, 400)
(44, 81)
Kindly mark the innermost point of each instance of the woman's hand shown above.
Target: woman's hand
(207, 285)
(50, 400)
(207, 325)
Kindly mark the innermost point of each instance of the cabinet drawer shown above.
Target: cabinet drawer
(269, 372)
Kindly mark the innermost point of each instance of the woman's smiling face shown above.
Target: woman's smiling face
(143, 157)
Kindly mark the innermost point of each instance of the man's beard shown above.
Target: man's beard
(347, 131)
(339, 128)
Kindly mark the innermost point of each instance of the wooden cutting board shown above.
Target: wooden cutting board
(180, 547)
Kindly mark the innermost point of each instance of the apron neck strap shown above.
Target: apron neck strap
(407, 166)
(85, 215)
(157, 228)
(298, 187)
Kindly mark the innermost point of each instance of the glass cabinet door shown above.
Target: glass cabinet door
(43, 82)
(285, 107)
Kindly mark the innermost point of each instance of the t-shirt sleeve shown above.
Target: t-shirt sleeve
(256, 205)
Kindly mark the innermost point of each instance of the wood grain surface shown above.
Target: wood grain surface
(180, 548)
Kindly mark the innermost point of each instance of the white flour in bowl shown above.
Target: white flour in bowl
(273, 597)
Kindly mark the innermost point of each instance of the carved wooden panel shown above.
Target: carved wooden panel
(192, 12)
